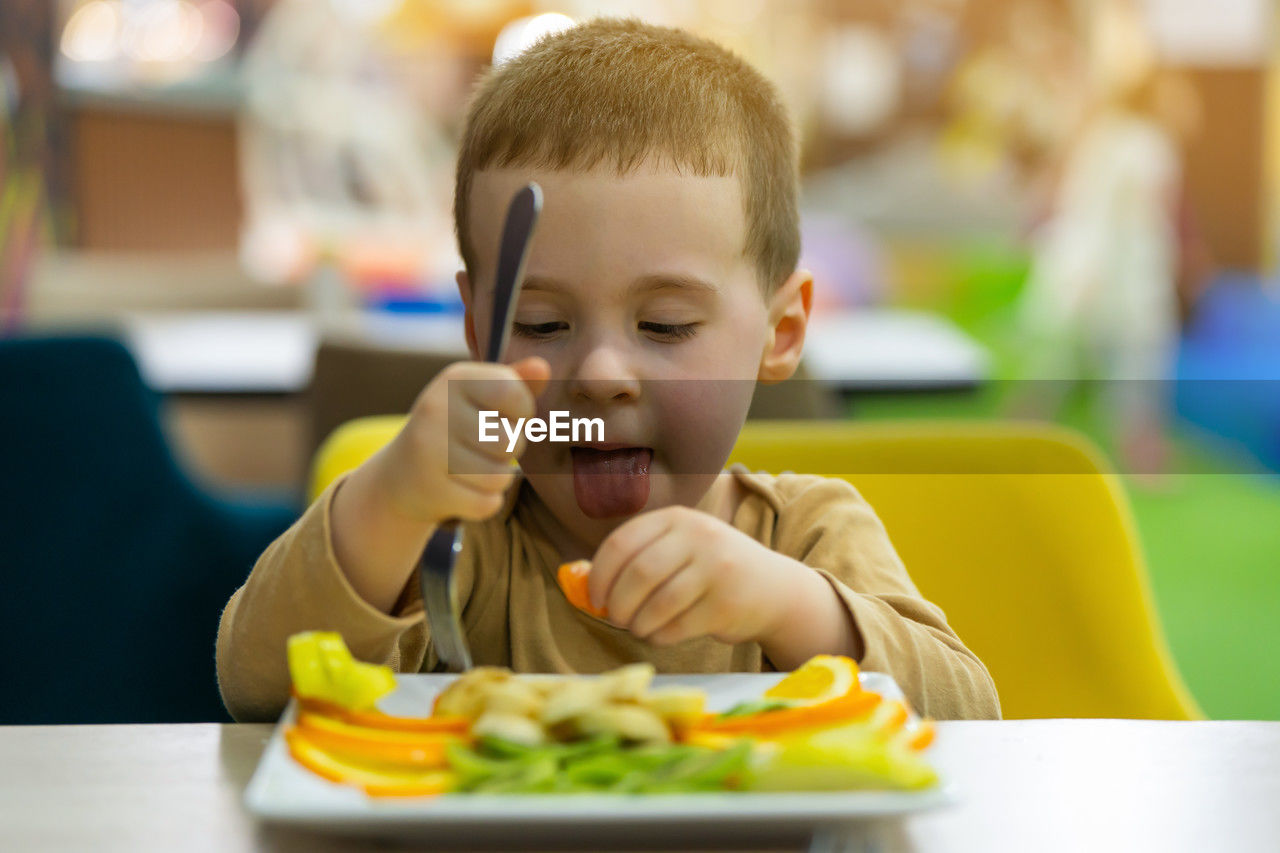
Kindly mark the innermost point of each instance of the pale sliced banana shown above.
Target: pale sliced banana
(629, 722)
(573, 699)
(676, 703)
(465, 697)
(627, 683)
(512, 727)
(514, 696)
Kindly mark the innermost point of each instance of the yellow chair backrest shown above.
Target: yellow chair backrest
(1019, 533)
(348, 446)
(1016, 530)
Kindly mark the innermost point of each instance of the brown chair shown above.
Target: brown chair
(352, 380)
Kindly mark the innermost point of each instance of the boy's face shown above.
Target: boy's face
(638, 294)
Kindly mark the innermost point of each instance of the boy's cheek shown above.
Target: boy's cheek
(700, 421)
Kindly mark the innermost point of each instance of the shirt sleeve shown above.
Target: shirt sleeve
(297, 585)
(825, 524)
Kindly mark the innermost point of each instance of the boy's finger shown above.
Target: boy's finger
(649, 569)
(473, 504)
(535, 372)
(464, 433)
(477, 470)
(506, 394)
(689, 623)
(492, 386)
(618, 548)
(471, 456)
(677, 594)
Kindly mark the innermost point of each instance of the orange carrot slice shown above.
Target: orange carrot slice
(373, 781)
(402, 750)
(572, 578)
(852, 705)
(310, 719)
(379, 720)
(891, 717)
(922, 736)
(433, 788)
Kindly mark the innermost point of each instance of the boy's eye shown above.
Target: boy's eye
(539, 330)
(670, 331)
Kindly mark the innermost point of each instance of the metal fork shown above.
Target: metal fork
(436, 566)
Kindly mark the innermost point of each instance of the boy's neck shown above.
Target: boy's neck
(721, 501)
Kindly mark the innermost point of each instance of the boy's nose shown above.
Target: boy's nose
(604, 375)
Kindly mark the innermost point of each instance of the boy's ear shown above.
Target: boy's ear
(469, 313)
(788, 321)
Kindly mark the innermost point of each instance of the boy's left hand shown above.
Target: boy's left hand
(678, 573)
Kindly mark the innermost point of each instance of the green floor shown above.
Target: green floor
(1211, 534)
(1213, 547)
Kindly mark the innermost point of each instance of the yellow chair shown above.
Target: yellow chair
(347, 447)
(1019, 532)
(1016, 530)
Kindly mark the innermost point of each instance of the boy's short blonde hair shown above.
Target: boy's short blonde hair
(622, 91)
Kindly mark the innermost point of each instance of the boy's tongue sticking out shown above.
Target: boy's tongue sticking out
(611, 482)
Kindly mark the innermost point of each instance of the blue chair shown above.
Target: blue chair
(1228, 367)
(115, 566)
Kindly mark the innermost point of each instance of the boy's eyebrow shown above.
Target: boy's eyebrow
(678, 281)
(542, 282)
(652, 281)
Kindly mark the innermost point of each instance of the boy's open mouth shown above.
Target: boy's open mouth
(611, 481)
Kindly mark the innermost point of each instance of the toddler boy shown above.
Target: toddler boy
(661, 285)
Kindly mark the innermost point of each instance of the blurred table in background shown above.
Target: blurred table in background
(265, 352)
(894, 350)
(256, 391)
(237, 352)
(236, 358)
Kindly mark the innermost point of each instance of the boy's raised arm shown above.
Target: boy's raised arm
(435, 469)
(345, 564)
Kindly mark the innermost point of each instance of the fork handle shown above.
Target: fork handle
(517, 235)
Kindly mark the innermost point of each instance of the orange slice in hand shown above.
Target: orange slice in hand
(821, 679)
(572, 578)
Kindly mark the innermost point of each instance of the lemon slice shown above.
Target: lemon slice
(820, 679)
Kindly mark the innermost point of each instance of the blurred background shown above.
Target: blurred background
(1058, 209)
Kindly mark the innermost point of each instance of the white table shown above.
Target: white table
(1037, 785)
(892, 349)
(273, 351)
(263, 352)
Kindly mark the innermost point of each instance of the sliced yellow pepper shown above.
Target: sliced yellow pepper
(322, 667)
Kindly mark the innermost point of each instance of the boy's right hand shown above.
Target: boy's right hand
(437, 468)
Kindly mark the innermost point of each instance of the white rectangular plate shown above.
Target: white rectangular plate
(281, 791)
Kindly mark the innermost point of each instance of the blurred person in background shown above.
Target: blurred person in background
(1102, 297)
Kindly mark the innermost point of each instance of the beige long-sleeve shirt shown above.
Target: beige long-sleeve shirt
(515, 615)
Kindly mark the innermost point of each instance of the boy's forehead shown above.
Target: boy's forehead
(645, 218)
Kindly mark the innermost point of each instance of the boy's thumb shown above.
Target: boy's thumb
(535, 372)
